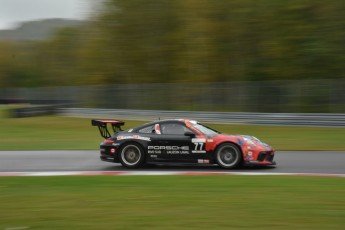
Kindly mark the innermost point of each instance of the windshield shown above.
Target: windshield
(204, 129)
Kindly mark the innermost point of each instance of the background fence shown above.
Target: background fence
(286, 119)
(319, 96)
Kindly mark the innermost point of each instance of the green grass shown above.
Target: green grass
(172, 202)
(65, 133)
(292, 138)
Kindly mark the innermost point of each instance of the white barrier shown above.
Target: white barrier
(281, 119)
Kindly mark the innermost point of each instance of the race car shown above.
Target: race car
(179, 141)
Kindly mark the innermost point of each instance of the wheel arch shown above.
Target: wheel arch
(132, 142)
(228, 142)
(125, 143)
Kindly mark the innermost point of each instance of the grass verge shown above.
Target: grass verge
(65, 133)
(172, 202)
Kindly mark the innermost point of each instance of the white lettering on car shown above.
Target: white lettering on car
(137, 137)
(157, 149)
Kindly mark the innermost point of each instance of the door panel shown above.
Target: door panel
(170, 146)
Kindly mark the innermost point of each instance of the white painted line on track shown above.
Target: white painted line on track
(160, 173)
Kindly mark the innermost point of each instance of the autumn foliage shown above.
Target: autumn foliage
(150, 41)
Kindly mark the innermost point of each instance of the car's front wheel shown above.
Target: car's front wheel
(228, 156)
(132, 155)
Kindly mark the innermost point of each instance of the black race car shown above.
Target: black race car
(179, 141)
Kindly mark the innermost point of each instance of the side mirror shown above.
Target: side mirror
(189, 134)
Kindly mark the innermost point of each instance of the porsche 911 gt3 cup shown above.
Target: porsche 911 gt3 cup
(179, 141)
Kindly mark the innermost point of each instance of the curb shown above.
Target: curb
(160, 173)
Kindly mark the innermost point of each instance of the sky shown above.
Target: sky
(12, 12)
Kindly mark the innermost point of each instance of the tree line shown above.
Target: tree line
(150, 41)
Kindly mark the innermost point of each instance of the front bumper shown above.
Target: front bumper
(261, 158)
(260, 163)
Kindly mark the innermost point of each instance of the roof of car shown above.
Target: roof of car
(161, 121)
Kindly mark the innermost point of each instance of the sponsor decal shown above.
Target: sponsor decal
(203, 161)
(137, 137)
(209, 140)
(168, 147)
(198, 151)
(250, 156)
(157, 149)
(201, 140)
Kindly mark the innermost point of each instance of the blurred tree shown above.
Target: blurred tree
(6, 56)
(16, 66)
(147, 41)
(57, 57)
(139, 39)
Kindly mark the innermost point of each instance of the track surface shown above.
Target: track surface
(321, 162)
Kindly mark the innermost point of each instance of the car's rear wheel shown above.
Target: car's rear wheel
(132, 155)
(228, 156)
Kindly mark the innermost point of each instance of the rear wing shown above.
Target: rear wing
(103, 129)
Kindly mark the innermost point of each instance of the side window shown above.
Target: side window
(174, 129)
(147, 129)
(151, 129)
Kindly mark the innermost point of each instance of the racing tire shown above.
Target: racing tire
(132, 155)
(228, 156)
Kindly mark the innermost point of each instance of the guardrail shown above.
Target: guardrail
(34, 111)
(282, 119)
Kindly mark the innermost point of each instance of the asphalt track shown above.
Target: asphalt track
(314, 162)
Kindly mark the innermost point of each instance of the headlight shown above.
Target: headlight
(261, 142)
(249, 141)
